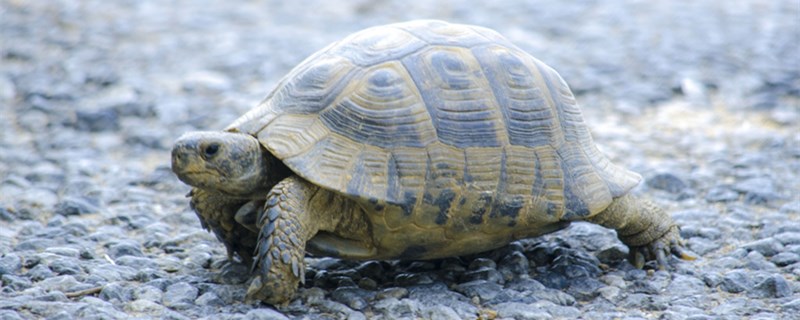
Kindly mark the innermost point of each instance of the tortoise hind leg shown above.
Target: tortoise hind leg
(645, 228)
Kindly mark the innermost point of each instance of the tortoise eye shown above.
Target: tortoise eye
(211, 150)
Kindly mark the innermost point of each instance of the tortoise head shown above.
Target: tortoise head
(231, 163)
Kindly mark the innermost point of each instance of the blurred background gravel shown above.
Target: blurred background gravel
(701, 97)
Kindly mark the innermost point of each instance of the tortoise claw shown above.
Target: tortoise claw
(661, 258)
(660, 249)
(679, 251)
(637, 259)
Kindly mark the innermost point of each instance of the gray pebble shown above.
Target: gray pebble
(9, 315)
(412, 279)
(354, 298)
(54, 296)
(36, 244)
(97, 120)
(136, 262)
(785, 258)
(643, 286)
(757, 190)
(514, 265)
(169, 314)
(15, 283)
(10, 264)
(144, 307)
(6, 214)
(368, 284)
(439, 313)
(692, 231)
(371, 269)
(553, 280)
(792, 306)
(584, 289)
(789, 237)
(613, 253)
(394, 308)
(558, 311)
(481, 263)
(756, 261)
(7, 89)
(116, 292)
(339, 310)
(206, 80)
(96, 308)
(684, 285)
(64, 251)
(40, 272)
(613, 280)
(199, 257)
(736, 281)
(712, 279)
(125, 248)
(439, 294)
(771, 287)
(65, 266)
(644, 301)
(722, 193)
(264, 314)
(555, 296)
(453, 265)
(485, 290)
(483, 273)
(736, 306)
(702, 246)
(180, 295)
(342, 281)
(609, 293)
(420, 266)
(111, 272)
(311, 296)
(146, 292)
(64, 283)
(72, 206)
(516, 310)
(667, 182)
(730, 262)
(768, 247)
(574, 263)
(231, 272)
(394, 292)
(790, 207)
(209, 299)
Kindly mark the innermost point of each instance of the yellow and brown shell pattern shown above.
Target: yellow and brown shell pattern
(439, 125)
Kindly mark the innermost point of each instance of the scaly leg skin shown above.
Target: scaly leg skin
(646, 229)
(292, 215)
(217, 213)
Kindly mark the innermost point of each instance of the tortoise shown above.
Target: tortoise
(415, 140)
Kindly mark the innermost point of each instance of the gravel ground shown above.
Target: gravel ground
(701, 97)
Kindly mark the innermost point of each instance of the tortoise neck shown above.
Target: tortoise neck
(276, 171)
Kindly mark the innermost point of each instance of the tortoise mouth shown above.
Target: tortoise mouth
(200, 178)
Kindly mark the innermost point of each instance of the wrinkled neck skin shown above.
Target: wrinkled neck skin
(233, 164)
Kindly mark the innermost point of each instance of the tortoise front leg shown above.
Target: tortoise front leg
(292, 215)
(645, 228)
(217, 214)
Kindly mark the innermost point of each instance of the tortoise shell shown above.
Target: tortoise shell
(437, 124)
